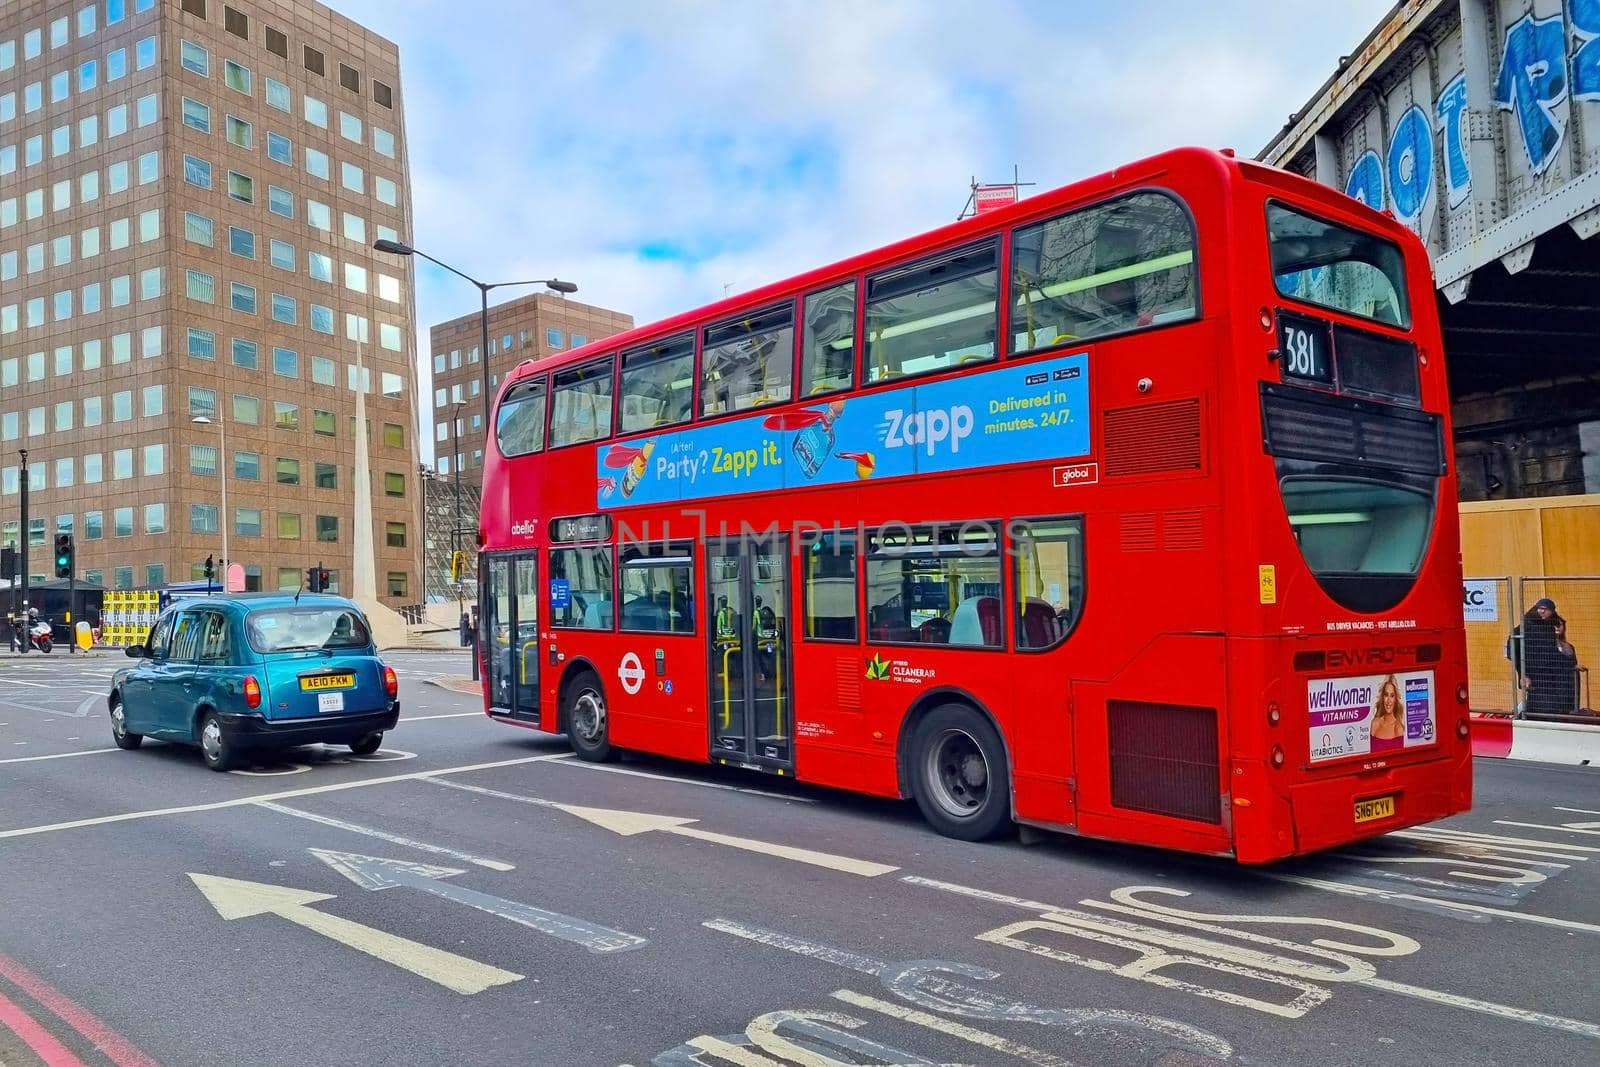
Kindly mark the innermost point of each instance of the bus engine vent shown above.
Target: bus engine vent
(1152, 438)
(1164, 759)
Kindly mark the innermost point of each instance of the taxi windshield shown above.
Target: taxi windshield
(300, 629)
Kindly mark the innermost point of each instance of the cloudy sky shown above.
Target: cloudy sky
(657, 152)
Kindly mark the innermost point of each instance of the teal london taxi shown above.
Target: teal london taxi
(240, 673)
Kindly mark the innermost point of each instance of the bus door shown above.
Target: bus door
(511, 631)
(752, 714)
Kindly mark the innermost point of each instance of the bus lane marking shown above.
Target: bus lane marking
(57, 755)
(939, 985)
(683, 781)
(632, 823)
(1155, 947)
(384, 835)
(236, 899)
(376, 873)
(107, 1042)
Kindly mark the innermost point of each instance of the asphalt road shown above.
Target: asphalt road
(472, 895)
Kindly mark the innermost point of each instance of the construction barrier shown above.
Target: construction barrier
(1575, 744)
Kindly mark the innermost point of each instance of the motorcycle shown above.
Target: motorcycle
(40, 636)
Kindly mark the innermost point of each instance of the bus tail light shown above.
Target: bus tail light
(1273, 715)
(252, 691)
(1461, 693)
(1277, 755)
(391, 682)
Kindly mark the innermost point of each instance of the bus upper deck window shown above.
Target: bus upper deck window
(581, 403)
(1102, 270)
(1337, 267)
(519, 423)
(657, 384)
(935, 313)
(748, 362)
(828, 349)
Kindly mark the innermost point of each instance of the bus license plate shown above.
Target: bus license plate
(1376, 808)
(330, 701)
(312, 682)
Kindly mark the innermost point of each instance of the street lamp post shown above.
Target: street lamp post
(222, 470)
(400, 248)
(455, 524)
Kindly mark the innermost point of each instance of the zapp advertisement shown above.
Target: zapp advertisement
(1370, 714)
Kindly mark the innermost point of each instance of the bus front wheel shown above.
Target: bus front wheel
(959, 772)
(588, 725)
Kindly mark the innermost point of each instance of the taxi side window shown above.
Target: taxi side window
(160, 635)
(214, 638)
(186, 637)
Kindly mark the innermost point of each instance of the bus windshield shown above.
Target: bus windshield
(1337, 267)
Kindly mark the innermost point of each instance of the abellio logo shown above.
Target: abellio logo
(928, 428)
(525, 528)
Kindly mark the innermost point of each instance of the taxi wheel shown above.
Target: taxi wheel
(125, 738)
(584, 712)
(215, 748)
(367, 745)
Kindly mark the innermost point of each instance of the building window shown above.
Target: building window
(394, 435)
(321, 318)
(196, 116)
(278, 95)
(285, 309)
(394, 534)
(319, 266)
(322, 370)
(384, 189)
(280, 201)
(280, 148)
(197, 172)
(246, 409)
(241, 187)
(553, 338)
(314, 61)
(350, 78)
(285, 361)
(281, 254)
(203, 518)
(327, 475)
(382, 95)
(277, 43)
(239, 132)
(317, 164)
(247, 522)
(288, 526)
(352, 178)
(245, 354)
(202, 344)
(200, 286)
(285, 416)
(350, 127)
(394, 484)
(327, 527)
(193, 57)
(236, 23)
(324, 423)
(203, 460)
(288, 471)
(242, 297)
(242, 242)
(237, 76)
(399, 583)
(247, 466)
(122, 522)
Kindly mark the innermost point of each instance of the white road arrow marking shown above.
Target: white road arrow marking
(629, 823)
(374, 872)
(235, 899)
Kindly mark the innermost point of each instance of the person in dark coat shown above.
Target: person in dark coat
(1546, 662)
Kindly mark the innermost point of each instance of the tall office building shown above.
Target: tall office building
(530, 327)
(189, 192)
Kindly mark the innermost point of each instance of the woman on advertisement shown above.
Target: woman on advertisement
(1388, 718)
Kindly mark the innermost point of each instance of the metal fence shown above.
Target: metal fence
(1530, 644)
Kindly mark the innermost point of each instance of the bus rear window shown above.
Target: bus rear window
(519, 424)
(1349, 526)
(1337, 267)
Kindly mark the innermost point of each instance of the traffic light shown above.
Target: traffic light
(322, 579)
(211, 567)
(8, 563)
(457, 564)
(312, 574)
(63, 555)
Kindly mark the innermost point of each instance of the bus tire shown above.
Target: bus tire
(959, 774)
(588, 723)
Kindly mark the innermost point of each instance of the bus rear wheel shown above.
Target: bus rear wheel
(588, 725)
(959, 774)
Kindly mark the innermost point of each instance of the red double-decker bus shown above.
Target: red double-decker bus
(1125, 511)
